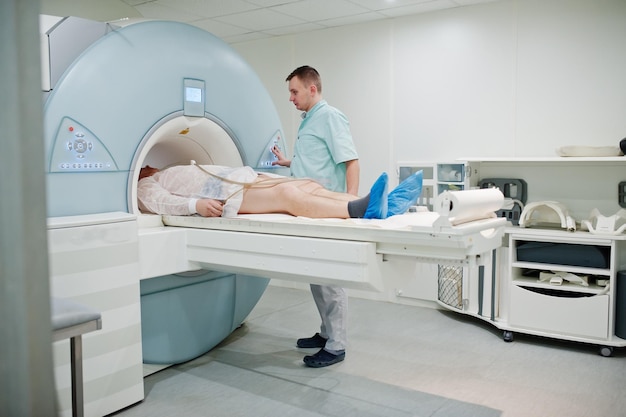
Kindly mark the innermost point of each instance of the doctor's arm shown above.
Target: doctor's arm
(353, 170)
(282, 161)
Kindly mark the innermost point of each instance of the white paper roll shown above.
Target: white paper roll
(469, 205)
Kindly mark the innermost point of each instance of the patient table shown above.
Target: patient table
(347, 252)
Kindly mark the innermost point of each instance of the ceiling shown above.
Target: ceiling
(243, 20)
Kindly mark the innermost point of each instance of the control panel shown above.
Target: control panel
(78, 149)
(267, 157)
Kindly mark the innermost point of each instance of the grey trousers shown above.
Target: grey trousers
(332, 304)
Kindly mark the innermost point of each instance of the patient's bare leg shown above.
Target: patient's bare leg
(316, 188)
(298, 198)
(307, 185)
(309, 199)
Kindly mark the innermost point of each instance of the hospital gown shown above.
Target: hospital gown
(176, 190)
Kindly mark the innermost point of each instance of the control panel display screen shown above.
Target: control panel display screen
(193, 94)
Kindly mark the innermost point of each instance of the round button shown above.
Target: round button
(80, 145)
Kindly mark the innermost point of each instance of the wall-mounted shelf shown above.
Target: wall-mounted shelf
(439, 177)
(548, 159)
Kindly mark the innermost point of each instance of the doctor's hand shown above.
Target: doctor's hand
(209, 208)
(282, 161)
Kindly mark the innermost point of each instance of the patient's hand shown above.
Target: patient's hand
(209, 208)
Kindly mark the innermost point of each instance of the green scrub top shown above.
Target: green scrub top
(324, 142)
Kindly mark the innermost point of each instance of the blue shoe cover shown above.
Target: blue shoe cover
(377, 207)
(405, 195)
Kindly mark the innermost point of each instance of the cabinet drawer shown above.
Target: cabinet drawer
(580, 316)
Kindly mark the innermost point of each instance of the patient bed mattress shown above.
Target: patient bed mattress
(410, 234)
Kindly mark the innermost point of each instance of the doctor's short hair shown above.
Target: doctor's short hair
(308, 75)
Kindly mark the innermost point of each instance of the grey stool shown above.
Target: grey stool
(71, 320)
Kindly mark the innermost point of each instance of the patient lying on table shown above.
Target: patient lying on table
(213, 191)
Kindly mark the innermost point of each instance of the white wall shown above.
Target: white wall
(510, 78)
(515, 78)
(354, 79)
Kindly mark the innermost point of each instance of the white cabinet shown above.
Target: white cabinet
(439, 177)
(440, 283)
(541, 299)
(456, 176)
(510, 295)
(94, 260)
(406, 169)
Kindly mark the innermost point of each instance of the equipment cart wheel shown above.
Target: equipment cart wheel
(606, 351)
(507, 336)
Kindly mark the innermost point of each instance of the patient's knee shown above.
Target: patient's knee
(309, 186)
(288, 192)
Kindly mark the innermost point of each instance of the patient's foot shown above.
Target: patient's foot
(373, 205)
(405, 194)
(377, 206)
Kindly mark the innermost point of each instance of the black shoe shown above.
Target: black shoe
(316, 341)
(323, 358)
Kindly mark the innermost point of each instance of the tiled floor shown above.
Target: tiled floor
(402, 360)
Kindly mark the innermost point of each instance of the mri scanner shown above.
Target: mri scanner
(171, 288)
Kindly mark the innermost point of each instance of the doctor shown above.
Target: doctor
(325, 152)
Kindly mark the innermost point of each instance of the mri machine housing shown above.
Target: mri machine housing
(163, 93)
(118, 98)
